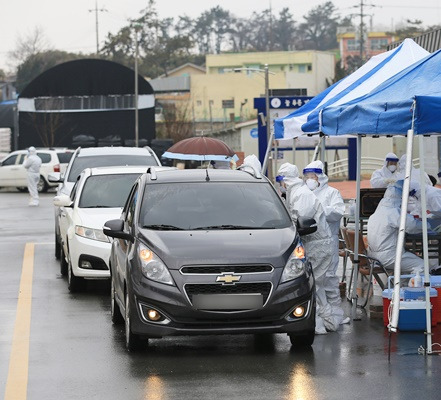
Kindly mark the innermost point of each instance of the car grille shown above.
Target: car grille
(263, 288)
(219, 269)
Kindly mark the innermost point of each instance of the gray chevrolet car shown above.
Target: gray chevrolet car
(209, 252)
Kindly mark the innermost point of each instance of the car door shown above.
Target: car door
(20, 173)
(8, 169)
(122, 247)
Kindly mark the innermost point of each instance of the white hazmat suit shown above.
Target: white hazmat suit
(252, 161)
(301, 202)
(383, 228)
(334, 207)
(32, 165)
(386, 175)
(414, 172)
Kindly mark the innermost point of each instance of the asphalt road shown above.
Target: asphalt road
(55, 345)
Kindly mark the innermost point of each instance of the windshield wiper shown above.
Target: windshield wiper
(163, 227)
(230, 227)
(98, 206)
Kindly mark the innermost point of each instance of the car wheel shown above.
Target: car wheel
(117, 317)
(133, 341)
(302, 340)
(74, 283)
(42, 185)
(63, 262)
(57, 247)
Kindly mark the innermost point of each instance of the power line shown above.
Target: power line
(362, 15)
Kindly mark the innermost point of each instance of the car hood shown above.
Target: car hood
(220, 247)
(97, 217)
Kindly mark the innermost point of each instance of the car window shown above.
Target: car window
(73, 193)
(10, 160)
(20, 158)
(65, 156)
(80, 163)
(45, 157)
(132, 206)
(214, 205)
(106, 191)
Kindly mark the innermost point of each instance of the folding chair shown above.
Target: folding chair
(368, 267)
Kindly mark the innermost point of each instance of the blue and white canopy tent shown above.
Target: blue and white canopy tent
(406, 104)
(377, 70)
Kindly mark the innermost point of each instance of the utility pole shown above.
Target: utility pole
(362, 14)
(96, 9)
(136, 88)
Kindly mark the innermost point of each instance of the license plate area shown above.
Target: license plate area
(230, 302)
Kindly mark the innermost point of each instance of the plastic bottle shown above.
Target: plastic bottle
(416, 281)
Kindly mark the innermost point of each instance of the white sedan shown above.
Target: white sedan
(98, 195)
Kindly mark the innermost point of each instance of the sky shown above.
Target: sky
(69, 25)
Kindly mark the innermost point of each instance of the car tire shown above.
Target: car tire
(63, 263)
(133, 342)
(57, 247)
(302, 341)
(117, 317)
(74, 283)
(42, 185)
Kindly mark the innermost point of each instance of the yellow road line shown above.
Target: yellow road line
(17, 383)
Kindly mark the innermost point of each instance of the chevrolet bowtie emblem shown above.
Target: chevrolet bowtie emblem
(228, 278)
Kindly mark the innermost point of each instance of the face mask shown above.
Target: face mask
(392, 168)
(312, 184)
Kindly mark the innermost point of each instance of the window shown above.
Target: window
(378, 44)
(10, 160)
(302, 68)
(81, 163)
(65, 156)
(353, 45)
(218, 205)
(132, 206)
(309, 67)
(45, 157)
(106, 191)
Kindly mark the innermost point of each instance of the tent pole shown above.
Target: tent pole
(294, 151)
(268, 151)
(357, 233)
(425, 246)
(323, 151)
(393, 324)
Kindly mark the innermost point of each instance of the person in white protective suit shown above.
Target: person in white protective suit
(414, 172)
(388, 174)
(383, 227)
(334, 208)
(252, 161)
(32, 165)
(301, 202)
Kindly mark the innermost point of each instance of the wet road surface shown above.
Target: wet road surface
(73, 351)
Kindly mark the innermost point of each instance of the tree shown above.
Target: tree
(32, 43)
(285, 30)
(2, 75)
(319, 31)
(37, 63)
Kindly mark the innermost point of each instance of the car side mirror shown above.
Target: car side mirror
(306, 226)
(115, 229)
(63, 200)
(55, 177)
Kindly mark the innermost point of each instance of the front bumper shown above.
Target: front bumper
(182, 318)
(92, 250)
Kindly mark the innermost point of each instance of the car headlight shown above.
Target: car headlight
(90, 233)
(295, 266)
(152, 267)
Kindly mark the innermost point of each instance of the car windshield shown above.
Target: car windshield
(81, 163)
(64, 156)
(106, 191)
(212, 206)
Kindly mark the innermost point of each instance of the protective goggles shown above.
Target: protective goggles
(316, 171)
(392, 159)
(279, 178)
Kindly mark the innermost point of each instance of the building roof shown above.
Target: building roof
(182, 67)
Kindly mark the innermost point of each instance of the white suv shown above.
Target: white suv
(13, 174)
(92, 157)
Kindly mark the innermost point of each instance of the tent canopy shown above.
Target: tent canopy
(376, 71)
(389, 108)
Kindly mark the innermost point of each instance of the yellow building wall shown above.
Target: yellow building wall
(229, 86)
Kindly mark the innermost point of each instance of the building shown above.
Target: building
(374, 43)
(225, 93)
